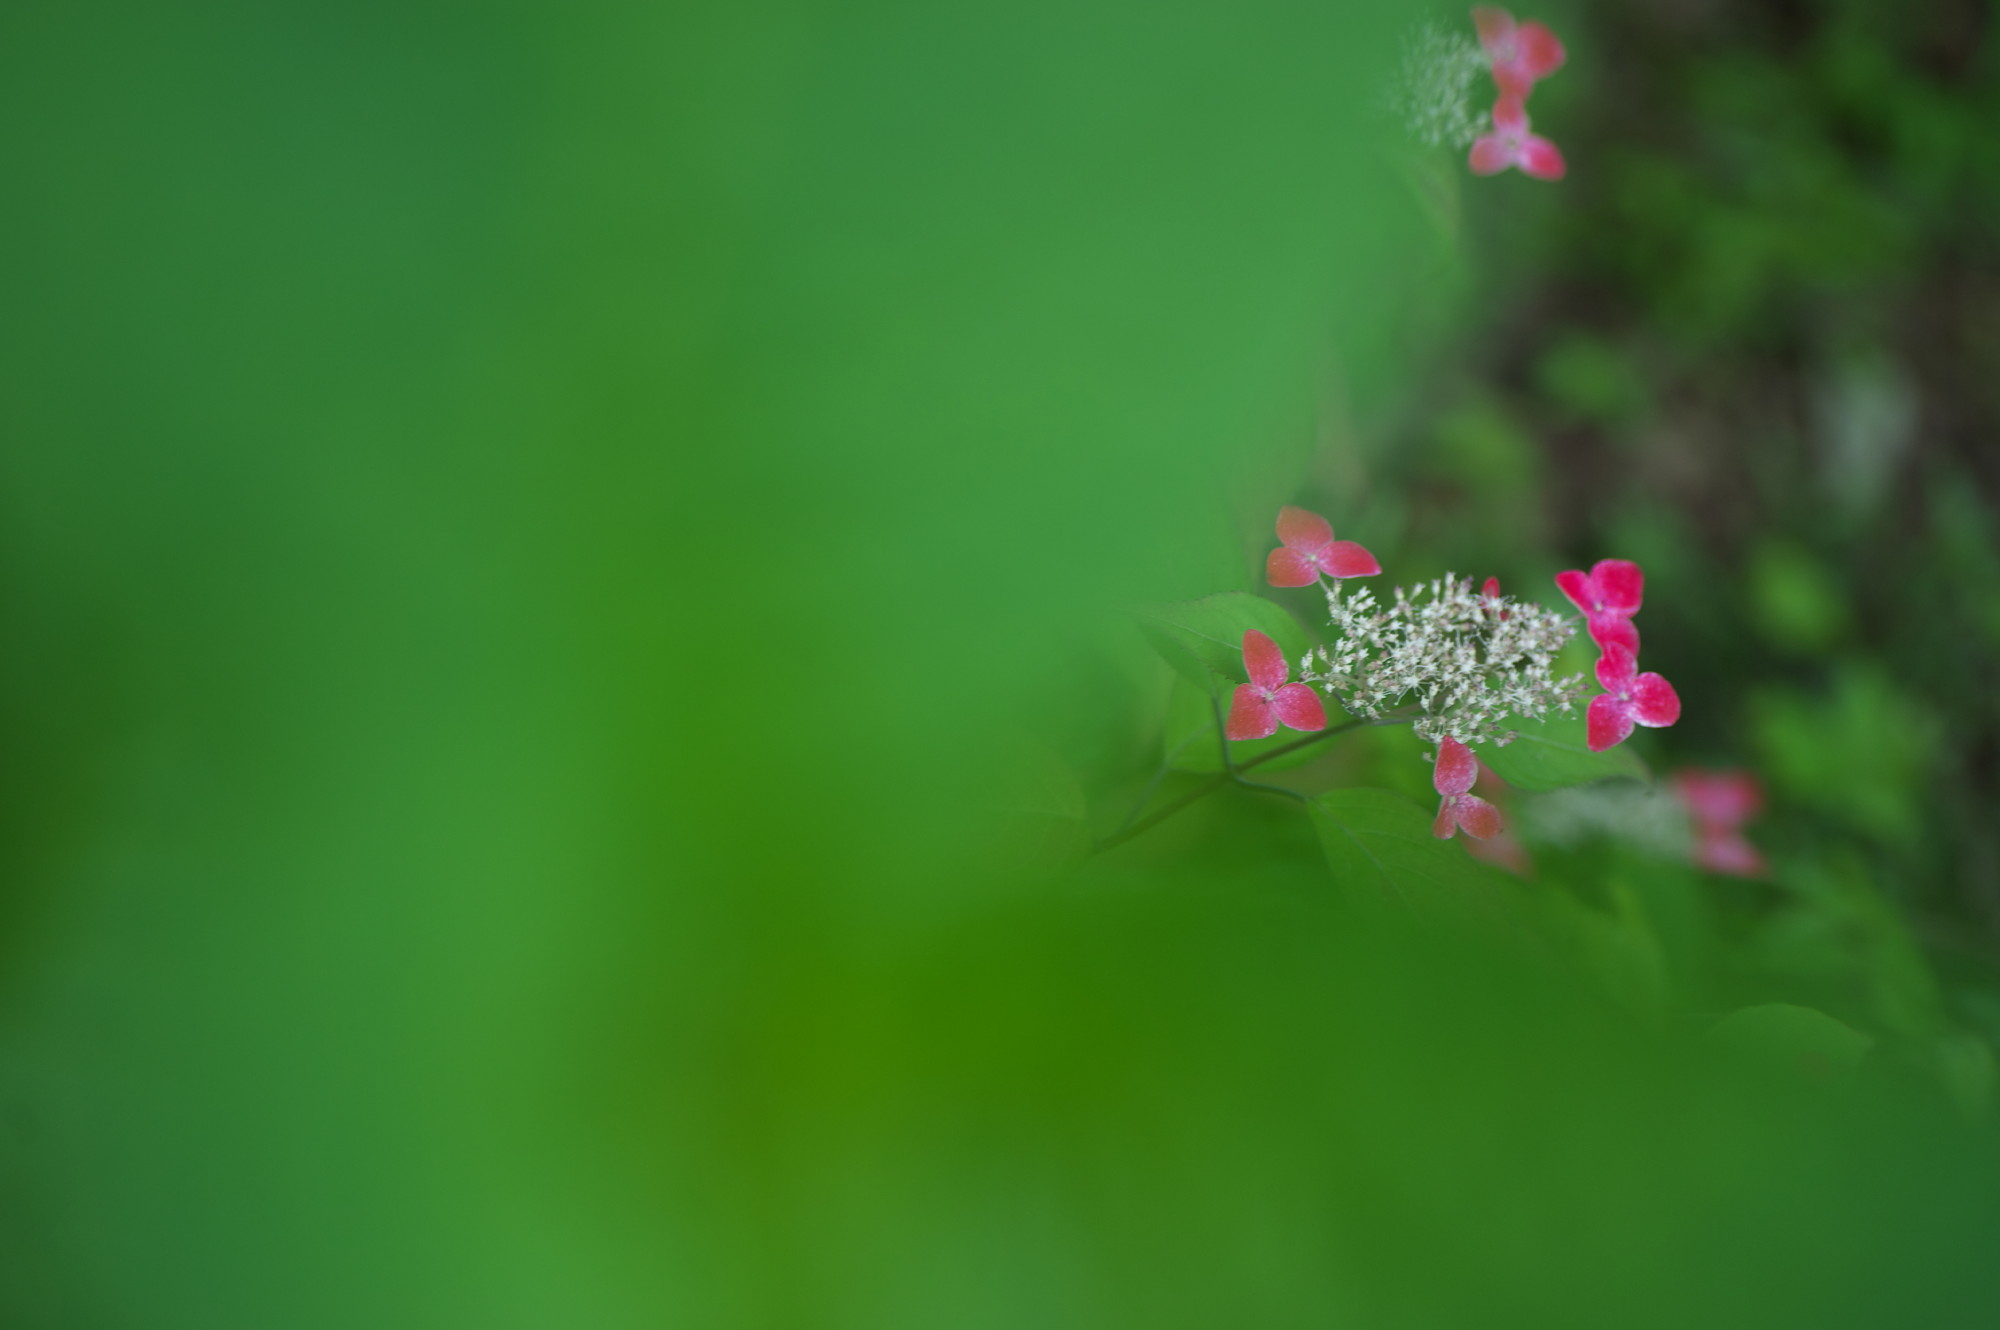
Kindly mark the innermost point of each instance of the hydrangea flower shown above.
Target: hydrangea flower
(1455, 771)
(1510, 144)
(1522, 54)
(1258, 706)
(1719, 803)
(1609, 595)
(1441, 646)
(1628, 698)
(1308, 550)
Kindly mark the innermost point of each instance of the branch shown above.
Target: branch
(1230, 775)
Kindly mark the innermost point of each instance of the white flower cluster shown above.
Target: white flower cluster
(1468, 660)
(1432, 94)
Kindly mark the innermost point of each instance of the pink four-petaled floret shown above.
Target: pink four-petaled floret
(1258, 706)
(1719, 803)
(1510, 144)
(1309, 550)
(1609, 595)
(1455, 771)
(1522, 54)
(1628, 698)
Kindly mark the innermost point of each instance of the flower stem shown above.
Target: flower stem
(1232, 774)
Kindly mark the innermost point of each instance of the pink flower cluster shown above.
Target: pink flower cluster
(1609, 595)
(1306, 552)
(1719, 803)
(1522, 54)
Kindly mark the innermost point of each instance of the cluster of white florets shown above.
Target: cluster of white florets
(1468, 660)
(1432, 94)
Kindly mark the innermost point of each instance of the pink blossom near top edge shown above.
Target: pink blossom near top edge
(1522, 54)
(1609, 595)
(1258, 707)
(1307, 550)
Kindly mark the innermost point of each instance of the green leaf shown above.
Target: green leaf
(1552, 755)
(1042, 811)
(1203, 639)
(1191, 742)
(1795, 1041)
(1379, 843)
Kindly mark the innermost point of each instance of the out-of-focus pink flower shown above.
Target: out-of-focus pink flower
(1628, 698)
(1719, 803)
(1258, 706)
(1309, 550)
(1721, 799)
(1453, 775)
(1609, 595)
(1522, 53)
(1728, 853)
(1510, 144)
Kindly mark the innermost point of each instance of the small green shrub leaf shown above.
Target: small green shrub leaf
(1793, 1041)
(1203, 639)
(1379, 843)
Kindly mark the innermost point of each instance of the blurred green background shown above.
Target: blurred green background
(537, 545)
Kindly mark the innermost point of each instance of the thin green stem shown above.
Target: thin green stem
(1231, 775)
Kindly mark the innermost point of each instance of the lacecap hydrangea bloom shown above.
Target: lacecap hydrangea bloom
(1467, 659)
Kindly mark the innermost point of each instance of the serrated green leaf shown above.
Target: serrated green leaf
(1552, 755)
(1203, 639)
(1794, 1041)
(1191, 742)
(1380, 843)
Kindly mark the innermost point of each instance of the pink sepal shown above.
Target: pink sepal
(1540, 158)
(1456, 768)
(1303, 529)
(1607, 631)
(1288, 567)
(1476, 816)
(1616, 669)
(1344, 558)
(1299, 707)
(1538, 52)
(1576, 585)
(1489, 156)
(1250, 715)
(1446, 823)
(1608, 723)
(1654, 702)
(1620, 586)
(1263, 661)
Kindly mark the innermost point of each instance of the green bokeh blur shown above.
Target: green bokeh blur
(531, 542)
